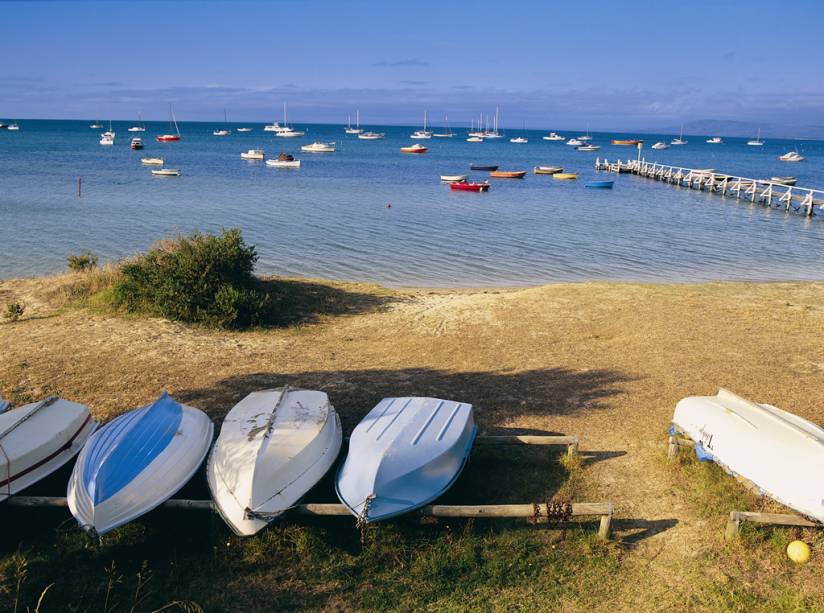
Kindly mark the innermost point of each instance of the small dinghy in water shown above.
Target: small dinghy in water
(37, 439)
(781, 453)
(274, 446)
(404, 454)
(136, 462)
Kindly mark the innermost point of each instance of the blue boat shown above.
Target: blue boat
(136, 462)
(403, 455)
(599, 184)
(488, 167)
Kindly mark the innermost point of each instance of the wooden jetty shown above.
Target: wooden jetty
(759, 191)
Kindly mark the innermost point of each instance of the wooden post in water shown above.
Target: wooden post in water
(79, 184)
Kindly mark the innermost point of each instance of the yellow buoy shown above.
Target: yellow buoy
(798, 552)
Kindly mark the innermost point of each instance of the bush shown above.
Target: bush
(84, 262)
(199, 278)
(14, 311)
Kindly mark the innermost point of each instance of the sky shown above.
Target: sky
(608, 64)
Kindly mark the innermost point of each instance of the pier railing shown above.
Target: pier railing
(761, 191)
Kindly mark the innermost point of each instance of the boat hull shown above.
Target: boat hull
(136, 462)
(167, 139)
(547, 170)
(462, 186)
(482, 167)
(565, 176)
(600, 184)
(282, 164)
(404, 454)
(508, 174)
(274, 446)
(36, 439)
(781, 453)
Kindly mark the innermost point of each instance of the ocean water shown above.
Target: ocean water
(332, 218)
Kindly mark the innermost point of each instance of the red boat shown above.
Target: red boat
(469, 187)
(167, 138)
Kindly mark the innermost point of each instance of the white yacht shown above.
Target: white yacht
(371, 135)
(357, 128)
(574, 142)
(252, 154)
(660, 145)
(554, 136)
(715, 140)
(792, 156)
(756, 142)
(422, 134)
(318, 147)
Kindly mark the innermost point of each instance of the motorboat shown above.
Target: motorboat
(507, 174)
(519, 139)
(784, 180)
(107, 140)
(357, 128)
(140, 128)
(627, 141)
(275, 127)
(253, 154)
(464, 186)
(136, 462)
(756, 142)
(152, 161)
(38, 438)
(715, 140)
(660, 145)
(371, 135)
(574, 142)
(453, 178)
(474, 139)
(170, 138)
(136, 143)
(13, 127)
(483, 167)
(565, 176)
(221, 133)
(319, 147)
(109, 133)
(599, 184)
(273, 447)
(278, 163)
(244, 129)
(547, 170)
(95, 125)
(792, 156)
(166, 172)
(416, 148)
(782, 454)
(588, 147)
(554, 136)
(404, 454)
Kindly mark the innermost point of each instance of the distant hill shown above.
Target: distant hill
(723, 127)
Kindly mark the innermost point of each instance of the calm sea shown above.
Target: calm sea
(331, 218)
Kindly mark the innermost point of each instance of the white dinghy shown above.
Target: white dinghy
(36, 439)
(136, 462)
(781, 453)
(404, 454)
(274, 446)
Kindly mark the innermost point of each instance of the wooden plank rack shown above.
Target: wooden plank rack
(536, 512)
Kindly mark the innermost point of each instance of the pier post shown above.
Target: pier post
(79, 184)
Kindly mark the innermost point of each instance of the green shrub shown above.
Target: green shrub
(198, 278)
(84, 262)
(14, 311)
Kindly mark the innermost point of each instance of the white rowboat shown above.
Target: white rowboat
(273, 447)
(253, 154)
(152, 161)
(166, 172)
(453, 178)
(781, 453)
(36, 439)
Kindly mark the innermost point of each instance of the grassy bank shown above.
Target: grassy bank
(606, 362)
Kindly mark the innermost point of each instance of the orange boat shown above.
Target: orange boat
(626, 141)
(507, 174)
(416, 148)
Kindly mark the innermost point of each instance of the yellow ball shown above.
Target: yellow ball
(798, 552)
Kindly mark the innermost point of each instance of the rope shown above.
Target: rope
(362, 520)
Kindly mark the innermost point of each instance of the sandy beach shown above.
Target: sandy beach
(604, 361)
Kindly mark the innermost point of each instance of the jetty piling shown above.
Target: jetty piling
(758, 191)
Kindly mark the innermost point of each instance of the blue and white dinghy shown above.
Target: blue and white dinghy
(404, 454)
(781, 453)
(4, 405)
(36, 439)
(136, 462)
(274, 446)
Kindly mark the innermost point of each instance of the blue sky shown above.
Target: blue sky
(613, 65)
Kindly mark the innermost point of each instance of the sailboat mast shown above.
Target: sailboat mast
(357, 118)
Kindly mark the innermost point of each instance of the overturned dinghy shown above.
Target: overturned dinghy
(4, 405)
(273, 447)
(405, 453)
(136, 462)
(36, 439)
(781, 453)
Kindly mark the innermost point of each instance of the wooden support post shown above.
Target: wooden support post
(605, 524)
(79, 184)
(733, 526)
(769, 519)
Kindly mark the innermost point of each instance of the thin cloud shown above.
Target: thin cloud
(410, 63)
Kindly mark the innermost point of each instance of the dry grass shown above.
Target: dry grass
(604, 361)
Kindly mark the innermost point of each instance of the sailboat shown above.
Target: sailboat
(757, 142)
(680, 140)
(357, 128)
(109, 133)
(225, 131)
(494, 132)
(586, 137)
(422, 134)
(520, 139)
(141, 127)
(168, 138)
(287, 132)
(473, 132)
(448, 133)
(95, 125)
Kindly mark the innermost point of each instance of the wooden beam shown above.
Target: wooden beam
(771, 519)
